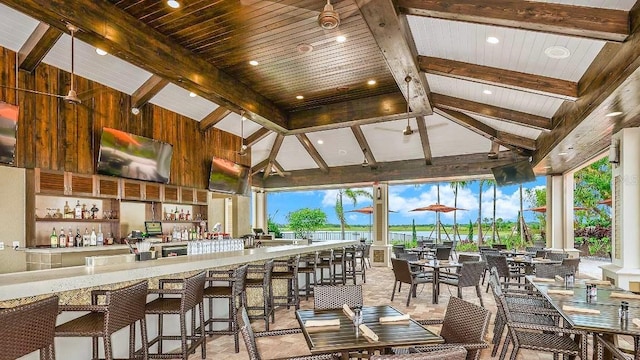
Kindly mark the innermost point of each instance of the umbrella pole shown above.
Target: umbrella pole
(438, 240)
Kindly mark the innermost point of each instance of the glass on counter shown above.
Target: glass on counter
(213, 246)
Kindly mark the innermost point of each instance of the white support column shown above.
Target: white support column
(259, 216)
(380, 249)
(624, 270)
(559, 229)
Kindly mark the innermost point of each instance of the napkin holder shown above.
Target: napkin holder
(144, 256)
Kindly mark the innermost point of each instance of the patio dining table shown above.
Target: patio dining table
(343, 338)
(572, 302)
(436, 265)
(529, 262)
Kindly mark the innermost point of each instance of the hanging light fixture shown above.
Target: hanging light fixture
(365, 162)
(243, 147)
(72, 96)
(407, 130)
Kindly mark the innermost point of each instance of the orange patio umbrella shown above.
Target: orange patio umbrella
(438, 208)
(366, 210)
(543, 209)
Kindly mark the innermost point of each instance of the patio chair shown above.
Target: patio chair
(463, 258)
(499, 246)
(601, 344)
(397, 249)
(468, 275)
(443, 253)
(573, 263)
(484, 251)
(550, 271)
(464, 324)
(333, 297)
(542, 253)
(532, 249)
(249, 338)
(452, 353)
(557, 256)
(403, 274)
(504, 270)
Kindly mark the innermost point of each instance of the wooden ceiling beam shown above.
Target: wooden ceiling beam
(135, 42)
(424, 139)
(494, 112)
(214, 117)
(313, 152)
(279, 170)
(443, 168)
(257, 136)
(563, 89)
(37, 46)
(148, 90)
(582, 21)
(273, 154)
(259, 166)
(507, 140)
(364, 145)
(368, 110)
(390, 33)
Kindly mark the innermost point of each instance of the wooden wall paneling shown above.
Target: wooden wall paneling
(8, 76)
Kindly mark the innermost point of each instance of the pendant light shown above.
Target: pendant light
(408, 130)
(243, 147)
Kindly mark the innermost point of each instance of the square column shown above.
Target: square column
(380, 249)
(560, 217)
(624, 270)
(259, 216)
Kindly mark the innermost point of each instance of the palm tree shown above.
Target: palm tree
(455, 185)
(493, 221)
(481, 183)
(353, 196)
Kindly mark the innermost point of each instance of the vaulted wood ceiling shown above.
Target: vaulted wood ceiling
(538, 106)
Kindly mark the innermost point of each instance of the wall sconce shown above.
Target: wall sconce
(614, 152)
(378, 193)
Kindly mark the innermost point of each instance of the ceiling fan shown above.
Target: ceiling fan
(72, 95)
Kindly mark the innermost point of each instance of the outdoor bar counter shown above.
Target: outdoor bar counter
(73, 284)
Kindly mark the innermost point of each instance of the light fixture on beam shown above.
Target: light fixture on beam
(243, 147)
(365, 162)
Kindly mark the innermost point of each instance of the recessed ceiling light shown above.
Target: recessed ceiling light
(320, 141)
(487, 92)
(557, 52)
(304, 48)
(253, 63)
(371, 82)
(173, 4)
(562, 153)
(100, 52)
(192, 94)
(341, 38)
(342, 152)
(299, 97)
(614, 113)
(493, 40)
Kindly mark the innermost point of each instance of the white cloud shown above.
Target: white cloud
(330, 196)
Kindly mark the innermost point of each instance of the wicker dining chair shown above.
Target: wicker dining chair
(452, 353)
(28, 328)
(557, 256)
(550, 271)
(468, 275)
(403, 274)
(573, 263)
(504, 270)
(121, 308)
(333, 297)
(602, 344)
(249, 338)
(443, 253)
(464, 324)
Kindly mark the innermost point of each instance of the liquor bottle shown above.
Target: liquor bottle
(70, 238)
(85, 212)
(188, 216)
(77, 242)
(53, 239)
(100, 235)
(78, 211)
(93, 237)
(109, 239)
(62, 239)
(67, 210)
(86, 238)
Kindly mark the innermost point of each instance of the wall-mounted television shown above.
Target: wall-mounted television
(8, 130)
(135, 157)
(229, 177)
(515, 173)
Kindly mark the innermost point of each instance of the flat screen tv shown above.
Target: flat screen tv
(229, 177)
(8, 129)
(514, 173)
(134, 157)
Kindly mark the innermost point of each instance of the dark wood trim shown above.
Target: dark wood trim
(257, 136)
(103, 23)
(37, 46)
(537, 84)
(494, 112)
(516, 140)
(443, 169)
(213, 118)
(148, 90)
(313, 152)
(388, 31)
(279, 170)
(364, 145)
(273, 154)
(588, 22)
(424, 139)
(369, 110)
(259, 166)
(485, 130)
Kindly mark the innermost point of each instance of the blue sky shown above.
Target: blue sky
(403, 198)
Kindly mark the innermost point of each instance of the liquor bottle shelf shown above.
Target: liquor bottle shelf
(182, 221)
(77, 220)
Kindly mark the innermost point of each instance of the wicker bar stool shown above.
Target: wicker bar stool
(28, 328)
(263, 282)
(324, 260)
(291, 275)
(234, 292)
(121, 308)
(179, 301)
(339, 258)
(308, 268)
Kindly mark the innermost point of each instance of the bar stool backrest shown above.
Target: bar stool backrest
(193, 290)
(443, 253)
(125, 306)
(239, 279)
(248, 335)
(27, 328)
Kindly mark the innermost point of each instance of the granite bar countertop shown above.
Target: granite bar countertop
(44, 282)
